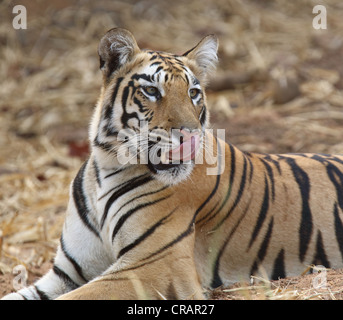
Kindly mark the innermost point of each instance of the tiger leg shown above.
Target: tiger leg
(66, 275)
(169, 275)
(80, 257)
(55, 283)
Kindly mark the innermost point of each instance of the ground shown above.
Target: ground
(278, 88)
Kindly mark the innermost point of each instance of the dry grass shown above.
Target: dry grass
(278, 89)
(305, 287)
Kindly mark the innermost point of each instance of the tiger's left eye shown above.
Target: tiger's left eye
(152, 91)
(193, 93)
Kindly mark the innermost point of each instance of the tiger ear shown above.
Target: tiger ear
(117, 47)
(205, 55)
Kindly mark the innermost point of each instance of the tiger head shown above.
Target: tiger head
(152, 107)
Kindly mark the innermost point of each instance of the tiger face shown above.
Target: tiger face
(152, 110)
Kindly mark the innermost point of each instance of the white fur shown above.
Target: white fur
(205, 54)
(124, 46)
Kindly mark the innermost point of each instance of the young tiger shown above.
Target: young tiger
(158, 228)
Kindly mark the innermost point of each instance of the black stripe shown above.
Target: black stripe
(144, 76)
(306, 225)
(107, 115)
(142, 108)
(22, 296)
(146, 234)
(76, 266)
(215, 188)
(108, 129)
(232, 164)
(97, 173)
(279, 266)
(121, 185)
(65, 278)
(158, 69)
(202, 117)
(106, 146)
(140, 265)
(156, 63)
(154, 57)
(271, 176)
(334, 173)
(240, 189)
(273, 161)
(186, 76)
(180, 237)
(263, 213)
(107, 112)
(115, 92)
(320, 257)
(248, 157)
(126, 116)
(42, 295)
(237, 200)
(217, 183)
(336, 177)
(216, 280)
(115, 172)
(263, 248)
(338, 229)
(195, 81)
(207, 217)
(81, 201)
(189, 51)
(335, 159)
(141, 196)
(124, 188)
(128, 214)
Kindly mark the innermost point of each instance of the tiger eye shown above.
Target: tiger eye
(151, 90)
(193, 93)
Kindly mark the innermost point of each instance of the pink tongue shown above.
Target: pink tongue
(187, 150)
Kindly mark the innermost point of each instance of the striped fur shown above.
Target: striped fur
(149, 231)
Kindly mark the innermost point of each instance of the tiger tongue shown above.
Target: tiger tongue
(187, 150)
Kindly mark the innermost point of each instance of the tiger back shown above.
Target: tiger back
(164, 209)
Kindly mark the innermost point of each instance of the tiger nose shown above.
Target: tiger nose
(184, 134)
(187, 134)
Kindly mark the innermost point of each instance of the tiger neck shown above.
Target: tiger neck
(234, 190)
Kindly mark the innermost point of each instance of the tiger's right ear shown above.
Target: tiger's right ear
(117, 47)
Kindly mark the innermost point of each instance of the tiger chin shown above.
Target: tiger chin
(152, 216)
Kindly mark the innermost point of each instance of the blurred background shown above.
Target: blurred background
(278, 89)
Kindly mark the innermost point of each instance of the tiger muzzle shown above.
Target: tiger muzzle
(185, 151)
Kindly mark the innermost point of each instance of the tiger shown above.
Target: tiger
(150, 227)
